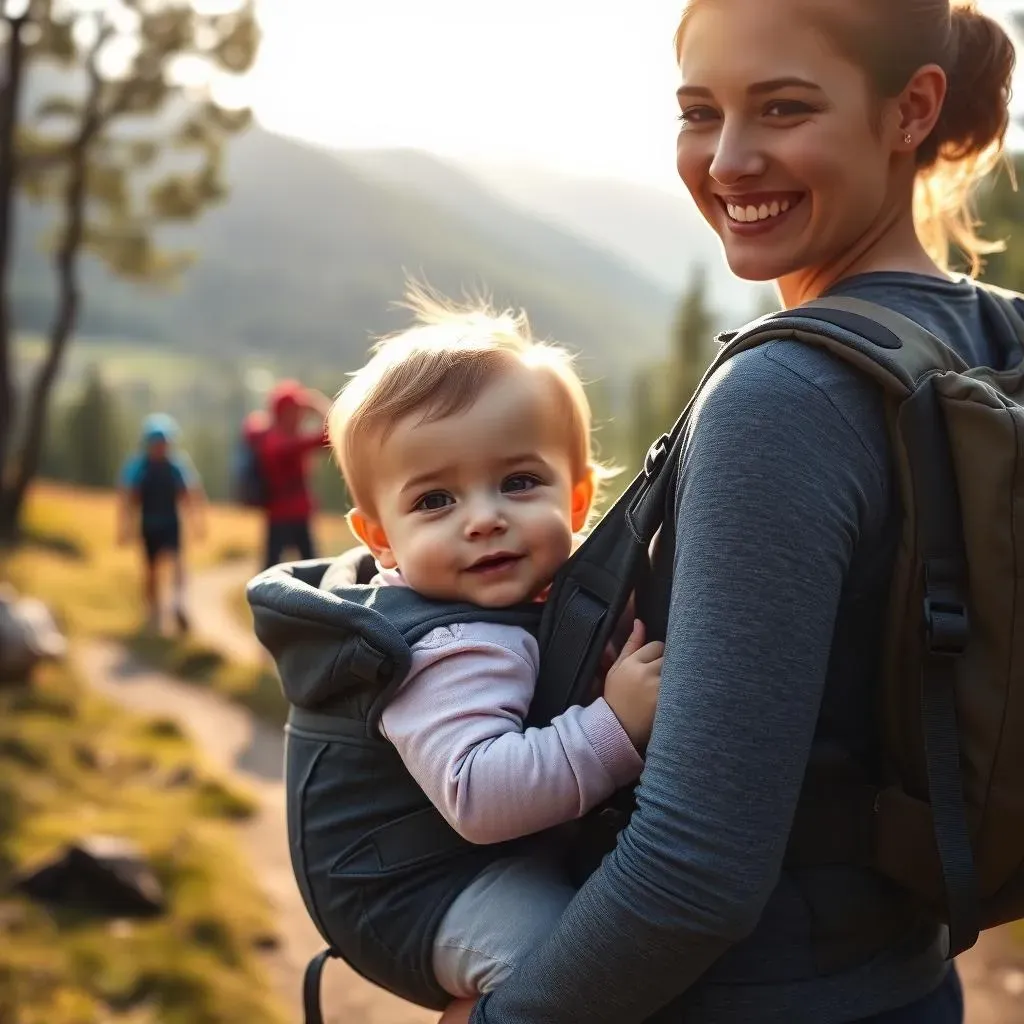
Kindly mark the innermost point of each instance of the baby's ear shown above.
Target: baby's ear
(582, 500)
(372, 534)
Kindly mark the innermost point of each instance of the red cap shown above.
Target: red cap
(286, 393)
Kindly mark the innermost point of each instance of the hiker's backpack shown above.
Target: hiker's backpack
(376, 863)
(248, 479)
(948, 821)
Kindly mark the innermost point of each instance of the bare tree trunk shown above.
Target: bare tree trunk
(9, 102)
(66, 267)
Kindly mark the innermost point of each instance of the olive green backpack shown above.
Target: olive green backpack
(948, 823)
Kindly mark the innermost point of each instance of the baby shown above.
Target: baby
(466, 448)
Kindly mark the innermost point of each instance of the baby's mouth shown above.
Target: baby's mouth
(494, 563)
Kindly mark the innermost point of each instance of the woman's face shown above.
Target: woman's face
(779, 145)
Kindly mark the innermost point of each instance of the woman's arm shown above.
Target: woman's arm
(774, 484)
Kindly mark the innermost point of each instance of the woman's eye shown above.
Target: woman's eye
(696, 115)
(433, 502)
(787, 108)
(520, 482)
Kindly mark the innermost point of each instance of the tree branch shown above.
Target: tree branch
(66, 268)
(9, 102)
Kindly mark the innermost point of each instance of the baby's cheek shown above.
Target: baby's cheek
(424, 565)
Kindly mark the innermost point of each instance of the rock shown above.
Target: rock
(85, 756)
(28, 635)
(104, 875)
(183, 776)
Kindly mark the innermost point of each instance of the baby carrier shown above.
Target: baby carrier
(948, 821)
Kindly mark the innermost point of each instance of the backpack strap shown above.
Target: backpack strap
(946, 632)
(889, 347)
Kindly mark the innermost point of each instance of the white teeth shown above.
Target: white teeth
(747, 214)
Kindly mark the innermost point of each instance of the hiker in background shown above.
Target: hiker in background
(156, 483)
(279, 442)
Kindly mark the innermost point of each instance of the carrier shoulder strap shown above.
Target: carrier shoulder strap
(591, 590)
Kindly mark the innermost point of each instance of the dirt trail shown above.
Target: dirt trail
(993, 972)
(215, 619)
(251, 752)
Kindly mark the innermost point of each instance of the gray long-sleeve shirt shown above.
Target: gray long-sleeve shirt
(784, 509)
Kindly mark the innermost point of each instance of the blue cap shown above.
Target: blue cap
(159, 426)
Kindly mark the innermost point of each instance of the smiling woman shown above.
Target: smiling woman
(779, 163)
(808, 127)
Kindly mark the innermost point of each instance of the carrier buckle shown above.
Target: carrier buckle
(369, 664)
(656, 455)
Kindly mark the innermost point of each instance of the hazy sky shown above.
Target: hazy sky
(580, 85)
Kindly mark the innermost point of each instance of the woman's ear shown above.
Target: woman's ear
(919, 106)
(582, 499)
(372, 534)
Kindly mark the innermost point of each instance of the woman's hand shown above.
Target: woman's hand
(458, 1012)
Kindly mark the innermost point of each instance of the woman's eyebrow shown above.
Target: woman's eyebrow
(769, 85)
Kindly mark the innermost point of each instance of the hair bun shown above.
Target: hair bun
(979, 72)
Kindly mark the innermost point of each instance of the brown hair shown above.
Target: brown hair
(890, 40)
(437, 368)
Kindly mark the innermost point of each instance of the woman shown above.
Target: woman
(807, 128)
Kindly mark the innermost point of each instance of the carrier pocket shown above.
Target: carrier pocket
(407, 844)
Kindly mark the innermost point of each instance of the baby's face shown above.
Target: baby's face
(480, 506)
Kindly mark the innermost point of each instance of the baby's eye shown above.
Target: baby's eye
(433, 501)
(520, 482)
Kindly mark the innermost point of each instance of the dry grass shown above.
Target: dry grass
(70, 557)
(72, 764)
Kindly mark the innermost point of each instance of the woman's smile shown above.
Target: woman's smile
(755, 213)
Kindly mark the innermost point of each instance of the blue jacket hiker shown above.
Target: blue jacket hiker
(155, 483)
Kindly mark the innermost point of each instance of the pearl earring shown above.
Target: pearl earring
(907, 139)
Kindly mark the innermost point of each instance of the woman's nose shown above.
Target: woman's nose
(737, 156)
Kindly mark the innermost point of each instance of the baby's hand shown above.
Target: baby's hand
(631, 687)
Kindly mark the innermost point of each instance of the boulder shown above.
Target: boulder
(103, 875)
(28, 635)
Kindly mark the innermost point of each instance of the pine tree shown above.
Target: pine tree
(92, 433)
(692, 346)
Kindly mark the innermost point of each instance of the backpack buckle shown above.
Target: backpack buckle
(946, 626)
(656, 455)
